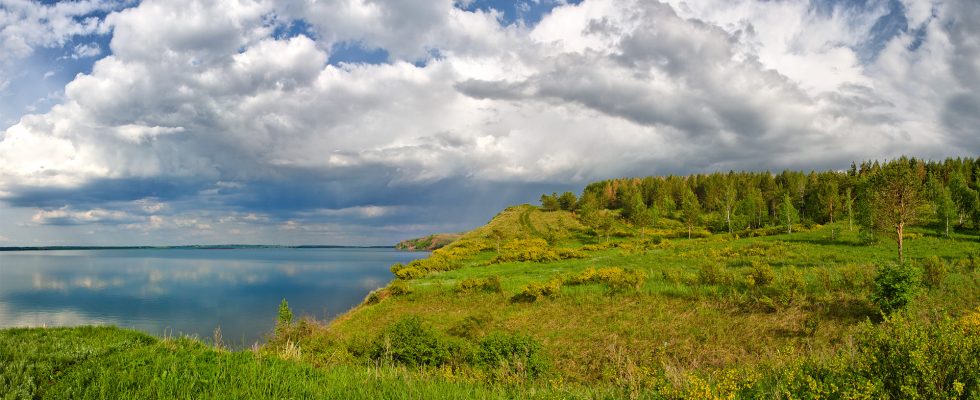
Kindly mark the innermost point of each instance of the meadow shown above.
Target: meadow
(544, 302)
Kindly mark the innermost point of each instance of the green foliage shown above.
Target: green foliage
(760, 274)
(112, 363)
(538, 290)
(946, 211)
(788, 214)
(399, 288)
(534, 250)
(444, 259)
(895, 286)
(411, 342)
(691, 211)
(935, 271)
(409, 272)
(713, 274)
(618, 279)
(285, 318)
(490, 285)
(473, 326)
(567, 201)
(911, 360)
(511, 357)
(550, 202)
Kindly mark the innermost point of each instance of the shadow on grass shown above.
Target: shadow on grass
(828, 242)
(850, 310)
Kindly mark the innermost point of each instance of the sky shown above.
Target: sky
(364, 122)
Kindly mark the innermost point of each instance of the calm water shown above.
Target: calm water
(187, 291)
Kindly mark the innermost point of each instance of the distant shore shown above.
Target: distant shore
(188, 247)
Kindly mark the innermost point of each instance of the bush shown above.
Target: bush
(489, 284)
(285, 318)
(408, 341)
(398, 288)
(534, 250)
(618, 279)
(409, 273)
(759, 274)
(712, 274)
(895, 287)
(445, 259)
(510, 357)
(910, 359)
(538, 290)
(935, 271)
(472, 326)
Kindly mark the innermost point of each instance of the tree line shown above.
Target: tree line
(875, 197)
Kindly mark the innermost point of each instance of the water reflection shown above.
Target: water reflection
(187, 291)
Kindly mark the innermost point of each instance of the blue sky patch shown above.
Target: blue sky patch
(529, 12)
(356, 53)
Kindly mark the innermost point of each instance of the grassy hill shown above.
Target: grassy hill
(536, 305)
(428, 243)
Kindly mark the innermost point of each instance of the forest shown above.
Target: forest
(873, 197)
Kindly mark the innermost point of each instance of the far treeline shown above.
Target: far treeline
(876, 198)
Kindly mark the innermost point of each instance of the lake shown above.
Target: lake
(171, 292)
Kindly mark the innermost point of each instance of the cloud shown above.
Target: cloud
(86, 50)
(26, 25)
(204, 113)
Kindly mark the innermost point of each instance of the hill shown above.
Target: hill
(592, 299)
(428, 243)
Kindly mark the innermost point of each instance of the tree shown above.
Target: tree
(963, 196)
(945, 209)
(728, 199)
(603, 224)
(864, 212)
(567, 201)
(632, 204)
(754, 204)
(644, 218)
(849, 206)
(497, 236)
(691, 210)
(285, 319)
(829, 198)
(898, 200)
(787, 213)
(549, 202)
(588, 208)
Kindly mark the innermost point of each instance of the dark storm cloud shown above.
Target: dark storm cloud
(214, 119)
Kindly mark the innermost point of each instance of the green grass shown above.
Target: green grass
(112, 363)
(779, 316)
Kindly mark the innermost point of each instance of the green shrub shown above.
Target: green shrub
(792, 280)
(410, 342)
(855, 276)
(473, 326)
(398, 288)
(445, 259)
(534, 250)
(895, 287)
(409, 273)
(510, 357)
(760, 274)
(616, 278)
(489, 284)
(712, 274)
(935, 271)
(910, 359)
(396, 267)
(538, 290)
(285, 318)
